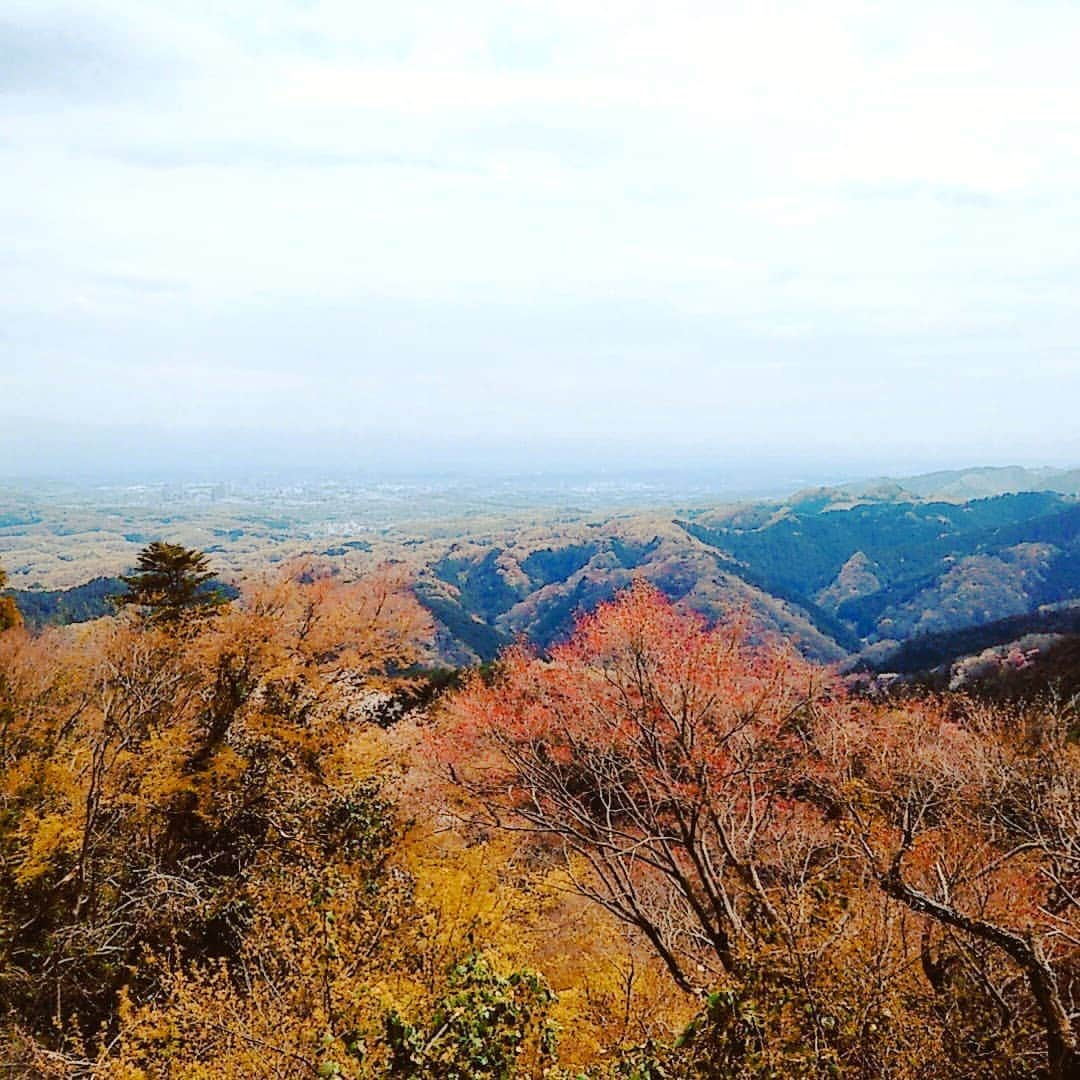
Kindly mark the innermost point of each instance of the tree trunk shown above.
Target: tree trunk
(1062, 1050)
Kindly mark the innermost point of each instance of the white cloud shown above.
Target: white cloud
(553, 186)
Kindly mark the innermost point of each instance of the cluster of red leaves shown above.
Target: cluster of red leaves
(725, 797)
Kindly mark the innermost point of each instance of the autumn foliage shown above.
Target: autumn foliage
(663, 850)
(160, 784)
(9, 612)
(880, 891)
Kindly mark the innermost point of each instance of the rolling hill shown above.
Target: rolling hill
(848, 573)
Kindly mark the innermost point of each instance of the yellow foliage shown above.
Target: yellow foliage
(48, 841)
(202, 875)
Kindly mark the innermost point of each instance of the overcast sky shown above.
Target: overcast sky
(846, 231)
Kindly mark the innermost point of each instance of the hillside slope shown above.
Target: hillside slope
(841, 571)
(890, 570)
(534, 582)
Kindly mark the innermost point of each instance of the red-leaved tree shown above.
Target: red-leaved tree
(668, 759)
(856, 875)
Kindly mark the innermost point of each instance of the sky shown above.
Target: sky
(673, 232)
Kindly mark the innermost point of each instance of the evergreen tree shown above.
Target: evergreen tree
(169, 581)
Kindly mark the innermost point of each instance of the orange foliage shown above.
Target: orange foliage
(729, 803)
(151, 778)
(202, 873)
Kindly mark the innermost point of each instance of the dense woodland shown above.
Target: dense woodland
(879, 576)
(247, 837)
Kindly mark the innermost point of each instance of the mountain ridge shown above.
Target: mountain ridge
(843, 571)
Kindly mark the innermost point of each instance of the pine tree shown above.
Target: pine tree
(169, 581)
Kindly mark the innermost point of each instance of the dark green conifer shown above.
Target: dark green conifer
(170, 581)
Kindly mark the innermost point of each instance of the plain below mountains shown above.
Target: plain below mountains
(855, 572)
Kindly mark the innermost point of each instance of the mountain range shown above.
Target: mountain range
(855, 573)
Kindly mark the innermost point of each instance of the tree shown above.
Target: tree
(168, 802)
(970, 817)
(170, 580)
(9, 612)
(870, 889)
(665, 758)
(487, 1027)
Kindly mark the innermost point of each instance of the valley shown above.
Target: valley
(854, 574)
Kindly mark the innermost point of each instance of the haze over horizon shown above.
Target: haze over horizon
(841, 241)
(470, 472)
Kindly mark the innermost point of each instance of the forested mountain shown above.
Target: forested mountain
(80, 603)
(844, 572)
(839, 578)
(534, 583)
(982, 482)
(893, 570)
